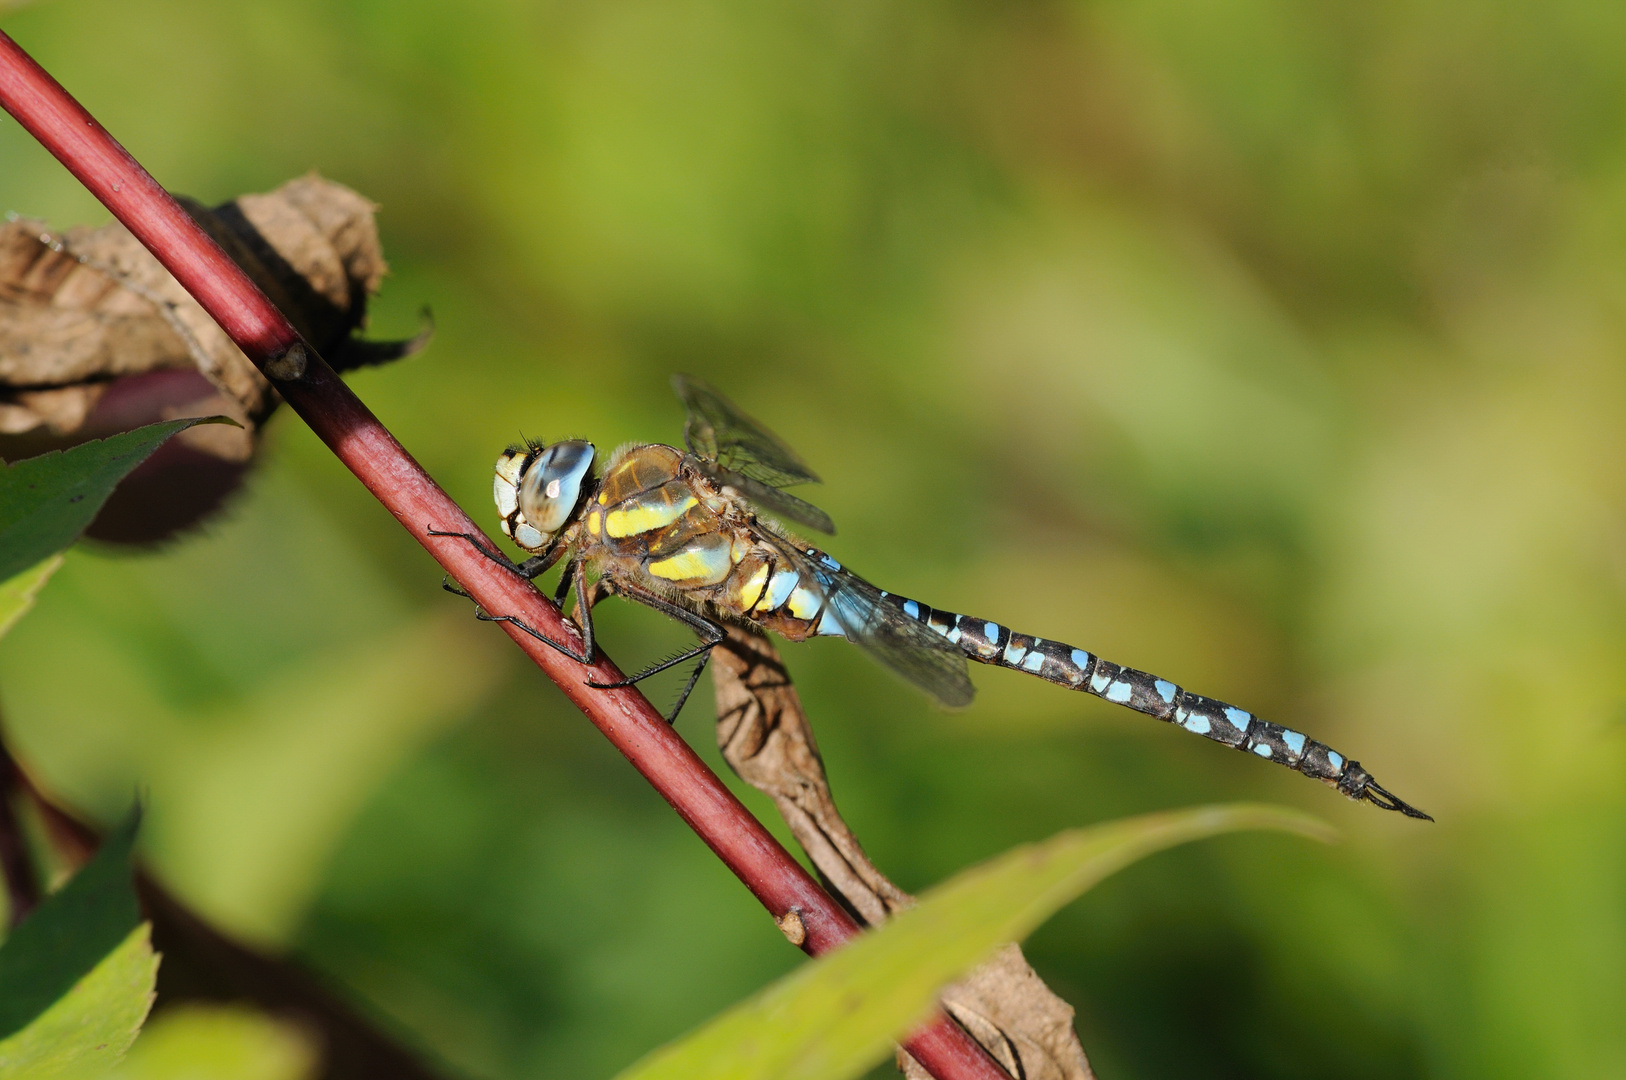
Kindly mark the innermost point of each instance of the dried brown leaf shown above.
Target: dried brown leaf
(89, 305)
(765, 737)
(97, 337)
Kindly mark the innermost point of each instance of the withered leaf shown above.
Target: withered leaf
(96, 337)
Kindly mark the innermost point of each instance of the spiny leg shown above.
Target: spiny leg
(584, 618)
(562, 590)
(709, 631)
(572, 573)
(688, 687)
(583, 657)
(530, 569)
(585, 599)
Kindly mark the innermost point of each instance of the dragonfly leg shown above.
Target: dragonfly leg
(709, 631)
(583, 657)
(530, 569)
(688, 687)
(585, 599)
(567, 576)
(584, 619)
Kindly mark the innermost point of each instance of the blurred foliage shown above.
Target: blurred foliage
(1274, 347)
(831, 1019)
(18, 592)
(195, 1042)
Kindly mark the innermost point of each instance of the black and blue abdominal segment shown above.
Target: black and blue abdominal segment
(1054, 661)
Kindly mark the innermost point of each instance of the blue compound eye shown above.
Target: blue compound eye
(551, 488)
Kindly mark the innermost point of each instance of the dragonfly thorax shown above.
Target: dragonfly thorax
(540, 490)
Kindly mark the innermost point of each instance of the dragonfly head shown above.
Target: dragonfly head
(540, 489)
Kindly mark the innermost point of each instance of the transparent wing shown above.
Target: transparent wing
(780, 504)
(719, 432)
(737, 451)
(909, 648)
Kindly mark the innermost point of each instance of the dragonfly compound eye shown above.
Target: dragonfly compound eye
(550, 491)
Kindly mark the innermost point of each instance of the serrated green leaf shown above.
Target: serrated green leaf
(838, 1015)
(18, 591)
(90, 1027)
(47, 501)
(70, 933)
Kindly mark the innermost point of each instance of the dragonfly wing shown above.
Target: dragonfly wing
(717, 431)
(780, 504)
(909, 648)
(738, 452)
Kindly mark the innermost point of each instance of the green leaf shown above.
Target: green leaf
(69, 934)
(90, 1027)
(838, 1015)
(18, 591)
(193, 1041)
(47, 501)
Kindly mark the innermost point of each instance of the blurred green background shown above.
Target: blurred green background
(1275, 347)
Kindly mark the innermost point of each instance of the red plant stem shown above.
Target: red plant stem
(363, 444)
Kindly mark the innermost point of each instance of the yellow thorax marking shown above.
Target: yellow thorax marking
(707, 565)
(645, 516)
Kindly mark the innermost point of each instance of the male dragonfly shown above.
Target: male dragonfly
(701, 537)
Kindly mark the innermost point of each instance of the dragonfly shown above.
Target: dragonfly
(704, 536)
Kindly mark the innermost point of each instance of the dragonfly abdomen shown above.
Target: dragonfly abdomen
(989, 642)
